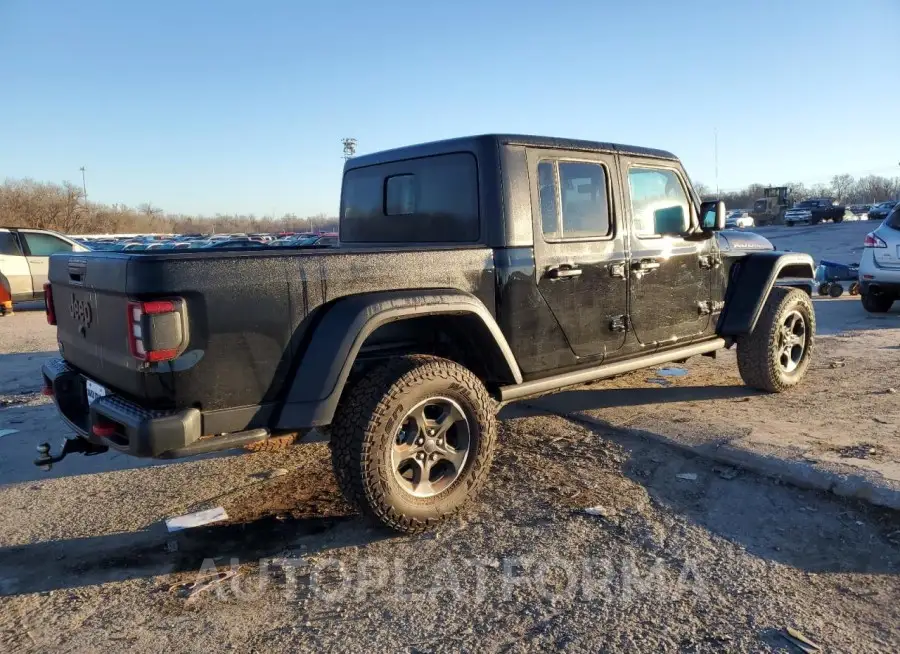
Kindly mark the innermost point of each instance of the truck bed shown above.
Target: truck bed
(247, 313)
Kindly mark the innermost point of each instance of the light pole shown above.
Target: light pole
(83, 184)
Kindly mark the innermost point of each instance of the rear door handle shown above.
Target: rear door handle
(642, 267)
(563, 273)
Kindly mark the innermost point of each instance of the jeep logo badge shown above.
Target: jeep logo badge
(80, 310)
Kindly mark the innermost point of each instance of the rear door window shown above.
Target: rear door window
(893, 219)
(43, 245)
(8, 245)
(582, 208)
(423, 200)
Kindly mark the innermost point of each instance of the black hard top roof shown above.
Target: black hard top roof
(480, 141)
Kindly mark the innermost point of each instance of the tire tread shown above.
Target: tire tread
(755, 356)
(367, 404)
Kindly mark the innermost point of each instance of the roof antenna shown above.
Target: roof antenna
(716, 137)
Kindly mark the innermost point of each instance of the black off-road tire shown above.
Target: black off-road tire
(824, 287)
(836, 290)
(367, 422)
(877, 303)
(758, 354)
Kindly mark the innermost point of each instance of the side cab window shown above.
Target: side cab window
(659, 203)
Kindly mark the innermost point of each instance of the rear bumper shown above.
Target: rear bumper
(874, 278)
(880, 288)
(116, 422)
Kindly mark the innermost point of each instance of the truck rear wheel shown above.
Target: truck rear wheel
(776, 354)
(412, 441)
(877, 303)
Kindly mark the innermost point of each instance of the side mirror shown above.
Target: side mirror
(670, 221)
(713, 213)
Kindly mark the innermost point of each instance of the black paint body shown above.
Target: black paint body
(269, 328)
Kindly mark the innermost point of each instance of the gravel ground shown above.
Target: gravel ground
(677, 554)
(718, 562)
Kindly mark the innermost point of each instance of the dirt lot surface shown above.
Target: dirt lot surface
(839, 431)
(678, 552)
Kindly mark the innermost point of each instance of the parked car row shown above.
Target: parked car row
(24, 253)
(881, 210)
(809, 212)
(207, 241)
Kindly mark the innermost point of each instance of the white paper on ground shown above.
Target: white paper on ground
(197, 519)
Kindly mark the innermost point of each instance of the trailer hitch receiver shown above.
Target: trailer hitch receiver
(46, 460)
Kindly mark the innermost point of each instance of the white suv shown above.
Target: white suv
(879, 269)
(25, 259)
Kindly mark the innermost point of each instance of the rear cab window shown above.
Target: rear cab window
(432, 199)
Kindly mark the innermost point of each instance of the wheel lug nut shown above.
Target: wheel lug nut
(420, 456)
(434, 457)
(431, 432)
(421, 441)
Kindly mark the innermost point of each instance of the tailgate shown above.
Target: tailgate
(89, 296)
(888, 257)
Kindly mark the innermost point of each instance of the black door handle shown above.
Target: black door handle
(563, 273)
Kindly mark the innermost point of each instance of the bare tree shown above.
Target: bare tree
(842, 186)
(704, 191)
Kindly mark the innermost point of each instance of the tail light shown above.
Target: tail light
(157, 330)
(48, 301)
(873, 241)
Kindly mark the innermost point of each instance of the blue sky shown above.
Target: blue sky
(238, 107)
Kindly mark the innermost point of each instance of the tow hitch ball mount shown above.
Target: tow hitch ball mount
(46, 460)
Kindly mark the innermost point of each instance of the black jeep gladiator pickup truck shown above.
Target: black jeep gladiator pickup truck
(471, 272)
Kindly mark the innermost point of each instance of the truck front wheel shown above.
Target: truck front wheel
(776, 354)
(412, 441)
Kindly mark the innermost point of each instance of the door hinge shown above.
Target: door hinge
(618, 324)
(705, 307)
(709, 261)
(617, 270)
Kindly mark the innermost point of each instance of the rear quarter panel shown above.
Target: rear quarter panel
(249, 312)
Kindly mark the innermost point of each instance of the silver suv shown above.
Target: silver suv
(879, 269)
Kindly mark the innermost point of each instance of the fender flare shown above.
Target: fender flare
(336, 340)
(751, 280)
